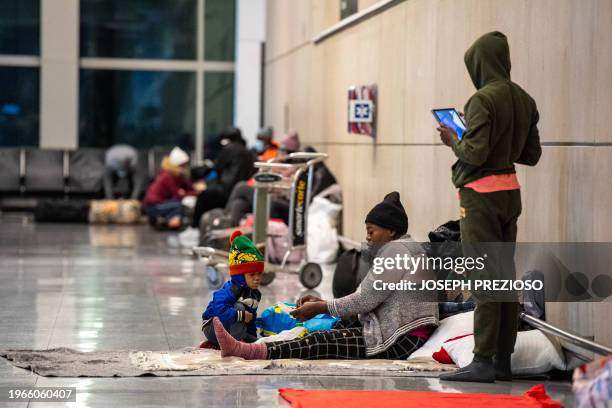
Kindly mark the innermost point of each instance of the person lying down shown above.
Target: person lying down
(389, 324)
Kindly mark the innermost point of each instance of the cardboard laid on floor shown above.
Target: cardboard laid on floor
(64, 362)
(536, 397)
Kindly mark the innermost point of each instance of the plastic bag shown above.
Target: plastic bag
(321, 322)
(322, 242)
(276, 319)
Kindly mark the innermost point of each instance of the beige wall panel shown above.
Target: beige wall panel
(452, 83)
(574, 317)
(419, 91)
(603, 324)
(276, 96)
(558, 196)
(341, 71)
(428, 193)
(602, 96)
(388, 67)
(301, 111)
(288, 26)
(381, 169)
(344, 166)
(324, 14)
(363, 4)
(602, 199)
(562, 62)
(316, 95)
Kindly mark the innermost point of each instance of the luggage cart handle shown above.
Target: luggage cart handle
(269, 165)
(304, 155)
(313, 158)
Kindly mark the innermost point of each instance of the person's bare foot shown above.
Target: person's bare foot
(174, 223)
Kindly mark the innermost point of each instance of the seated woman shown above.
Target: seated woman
(391, 324)
(162, 201)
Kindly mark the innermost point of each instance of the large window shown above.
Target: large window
(218, 101)
(19, 72)
(140, 108)
(155, 72)
(20, 27)
(219, 32)
(139, 28)
(19, 106)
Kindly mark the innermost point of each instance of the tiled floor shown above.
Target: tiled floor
(112, 288)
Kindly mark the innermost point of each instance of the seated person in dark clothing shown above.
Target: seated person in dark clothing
(265, 146)
(240, 202)
(234, 164)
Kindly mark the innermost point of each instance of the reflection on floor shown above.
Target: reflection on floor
(112, 288)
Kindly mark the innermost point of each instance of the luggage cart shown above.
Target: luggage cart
(299, 186)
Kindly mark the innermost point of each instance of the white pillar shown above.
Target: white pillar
(250, 36)
(59, 74)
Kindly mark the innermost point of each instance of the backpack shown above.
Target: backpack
(345, 274)
(216, 228)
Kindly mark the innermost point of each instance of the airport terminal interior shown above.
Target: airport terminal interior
(194, 195)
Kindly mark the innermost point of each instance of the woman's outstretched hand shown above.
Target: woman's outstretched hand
(309, 310)
(308, 298)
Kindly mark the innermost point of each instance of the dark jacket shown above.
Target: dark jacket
(167, 186)
(501, 117)
(223, 301)
(235, 164)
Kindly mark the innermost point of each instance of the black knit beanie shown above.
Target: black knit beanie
(389, 214)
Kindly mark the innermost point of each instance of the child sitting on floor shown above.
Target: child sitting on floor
(235, 304)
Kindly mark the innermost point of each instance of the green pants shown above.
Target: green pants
(491, 217)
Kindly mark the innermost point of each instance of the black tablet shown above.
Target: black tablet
(451, 118)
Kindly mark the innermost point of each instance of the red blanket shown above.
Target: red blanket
(536, 397)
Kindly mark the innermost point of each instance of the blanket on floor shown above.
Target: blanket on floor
(536, 397)
(64, 362)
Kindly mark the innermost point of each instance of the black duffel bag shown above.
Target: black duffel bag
(62, 211)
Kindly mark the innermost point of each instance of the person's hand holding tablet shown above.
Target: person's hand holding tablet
(451, 126)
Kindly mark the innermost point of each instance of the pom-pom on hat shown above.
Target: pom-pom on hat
(244, 256)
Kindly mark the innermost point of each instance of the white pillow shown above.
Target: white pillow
(533, 353)
(454, 326)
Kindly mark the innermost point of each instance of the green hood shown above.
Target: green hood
(488, 59)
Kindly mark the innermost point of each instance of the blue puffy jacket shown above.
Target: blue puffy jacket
(223, 301)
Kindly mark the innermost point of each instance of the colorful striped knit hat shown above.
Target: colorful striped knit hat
(244, 257)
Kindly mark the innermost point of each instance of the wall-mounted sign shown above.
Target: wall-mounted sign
(362, 110)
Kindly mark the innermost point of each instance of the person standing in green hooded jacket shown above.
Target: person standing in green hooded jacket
(501, 131)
